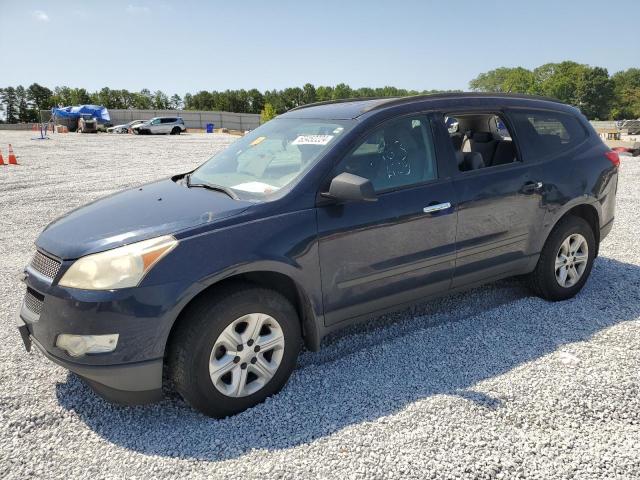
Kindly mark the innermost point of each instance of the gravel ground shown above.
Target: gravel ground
(493, 383)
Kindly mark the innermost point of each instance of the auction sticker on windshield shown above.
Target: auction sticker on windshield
(256, 187)
(312, 140)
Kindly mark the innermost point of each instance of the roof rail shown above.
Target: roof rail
(402, 100)
(342, 100)
(391, 101)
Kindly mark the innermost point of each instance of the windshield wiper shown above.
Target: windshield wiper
(209, 186)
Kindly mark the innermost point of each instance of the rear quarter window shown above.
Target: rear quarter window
(546, 133)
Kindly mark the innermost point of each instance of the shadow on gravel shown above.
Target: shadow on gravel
(401, 362)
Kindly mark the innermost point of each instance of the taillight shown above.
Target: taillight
(613, 157)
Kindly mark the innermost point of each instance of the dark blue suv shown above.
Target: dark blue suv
(327, 215)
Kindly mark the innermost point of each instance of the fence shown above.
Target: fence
(192, 119)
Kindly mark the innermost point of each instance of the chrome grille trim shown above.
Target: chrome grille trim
(33, 303)
(45, 265)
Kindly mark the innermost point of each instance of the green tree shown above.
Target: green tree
(292, 97)
(365, 92)
(267, 113)
(276, 99)
(79, 96)
(188, 101)
(160, 100)
(559, 80)
(594, 93)
(626, 94)
(143, 100)
(308, 93)
(342, 91)
(175, 102)
(10, 102)
(61, 96)
(256, 100)
(324, 94)
(26, 113)
(40, 97)
(505, 80)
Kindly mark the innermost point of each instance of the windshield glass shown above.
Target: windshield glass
(271, 157)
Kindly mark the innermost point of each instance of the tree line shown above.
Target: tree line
(23, 104)
(599, 95)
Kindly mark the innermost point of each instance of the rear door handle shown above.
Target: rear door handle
(531, 187)
(436, 207)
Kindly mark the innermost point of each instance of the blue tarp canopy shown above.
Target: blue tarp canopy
(101, 113)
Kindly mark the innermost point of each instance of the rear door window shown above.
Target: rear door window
(547, 133)
(480, 140)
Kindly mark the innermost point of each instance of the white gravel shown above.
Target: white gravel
(493, 383)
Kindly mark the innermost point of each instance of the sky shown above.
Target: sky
(187, 46)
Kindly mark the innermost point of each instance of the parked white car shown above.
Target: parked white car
(170, 125)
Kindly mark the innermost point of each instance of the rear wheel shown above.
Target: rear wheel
(566, 260)
(235, 349)
(175, 131)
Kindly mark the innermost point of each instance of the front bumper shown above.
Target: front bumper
(142, 317)
(128, 384)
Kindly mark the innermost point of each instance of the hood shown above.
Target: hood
(155, 209)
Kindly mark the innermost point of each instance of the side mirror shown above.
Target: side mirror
(347, 187)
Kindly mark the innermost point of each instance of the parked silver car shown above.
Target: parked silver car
(171, 125)
(124, 128)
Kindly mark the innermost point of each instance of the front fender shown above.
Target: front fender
(284, 244)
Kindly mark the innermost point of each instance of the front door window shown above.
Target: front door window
(398, 154)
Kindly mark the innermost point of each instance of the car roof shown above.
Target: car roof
(356, 107)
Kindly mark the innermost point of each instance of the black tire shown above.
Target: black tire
(175, 131)
(543, 279)
(200, 327)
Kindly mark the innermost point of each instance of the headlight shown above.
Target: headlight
(121, 267)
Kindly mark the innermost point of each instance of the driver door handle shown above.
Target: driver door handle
(437, 207)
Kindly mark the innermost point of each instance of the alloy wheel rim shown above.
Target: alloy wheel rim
(571, 260)
(246, 355)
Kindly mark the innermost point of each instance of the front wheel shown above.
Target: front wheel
(233, 350)
(566, 260)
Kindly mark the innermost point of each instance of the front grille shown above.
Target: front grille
(33, 301)
(47, 266)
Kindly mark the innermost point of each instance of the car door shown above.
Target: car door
(166, 124)
(155, 126)
(400, 248)
(498, 201)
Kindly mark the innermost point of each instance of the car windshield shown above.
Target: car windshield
(270, 158)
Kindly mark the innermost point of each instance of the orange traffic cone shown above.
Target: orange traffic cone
(12, 157)
(1, 159)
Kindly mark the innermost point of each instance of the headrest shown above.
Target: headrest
(482, 137)
(473, 161)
